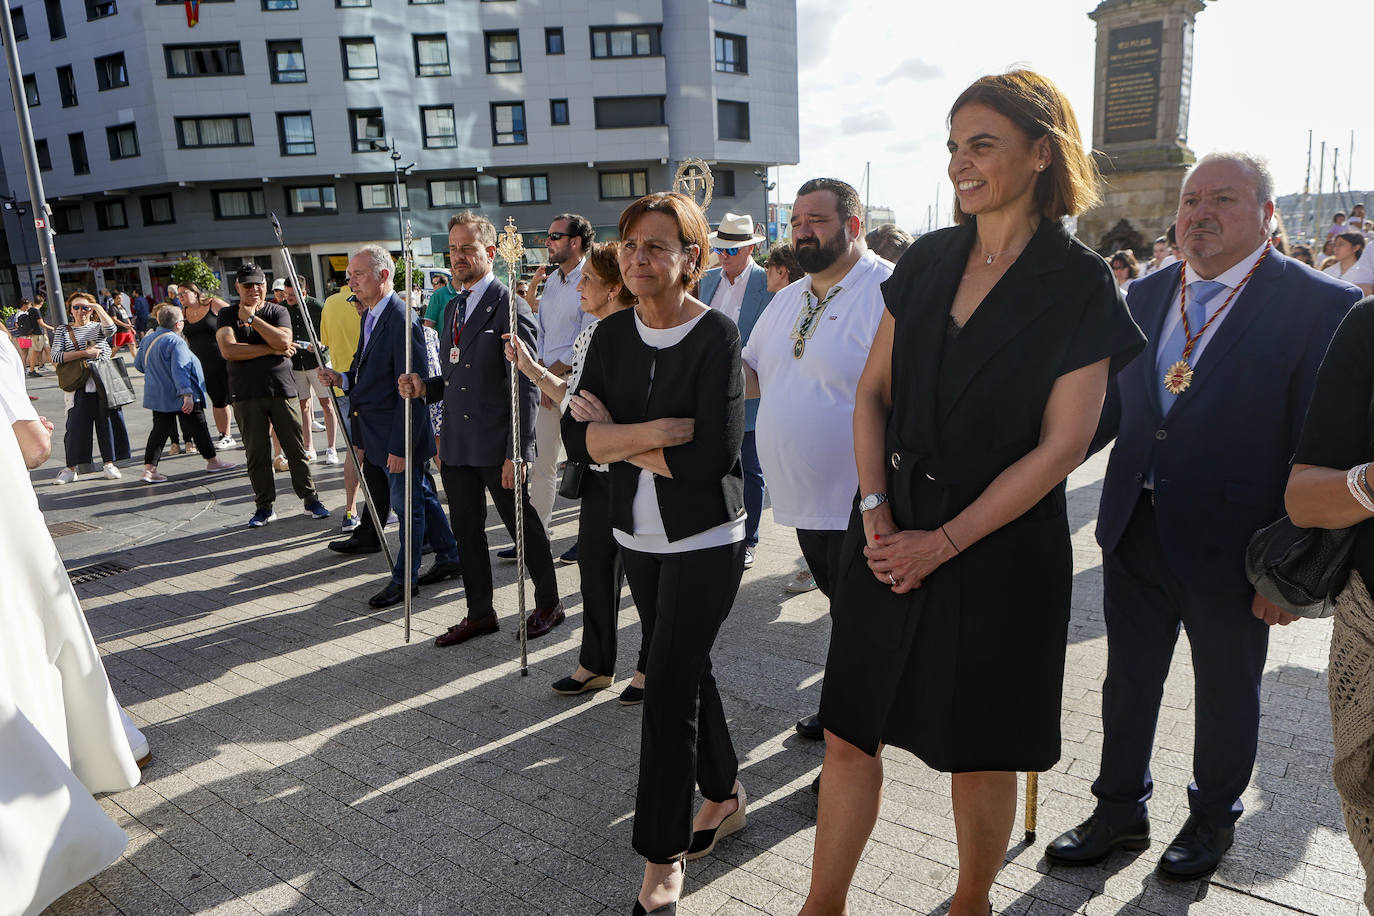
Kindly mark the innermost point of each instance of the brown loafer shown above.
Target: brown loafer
(543, 620)
(466, 630)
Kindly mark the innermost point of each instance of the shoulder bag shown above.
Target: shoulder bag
(1302, 570)
(71, 376)
(112, 381)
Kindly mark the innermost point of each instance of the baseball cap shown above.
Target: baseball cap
(250, 273)
(277, 284)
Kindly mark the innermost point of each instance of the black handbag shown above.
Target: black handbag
(112, 381)
(1302, 570)
(570, 486)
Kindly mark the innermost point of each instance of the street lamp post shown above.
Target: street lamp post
(762, 176)
(12, 203)
(397, 170)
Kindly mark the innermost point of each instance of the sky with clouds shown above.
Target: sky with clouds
(877, 78)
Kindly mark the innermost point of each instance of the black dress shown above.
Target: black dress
(200, 337)
(967, 671)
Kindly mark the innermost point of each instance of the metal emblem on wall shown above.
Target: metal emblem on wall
(693, 179)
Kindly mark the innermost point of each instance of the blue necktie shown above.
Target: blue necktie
(462, 315)
(1200, 293)
(368, 325)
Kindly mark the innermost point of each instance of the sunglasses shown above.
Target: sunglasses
(728, 252)
(81, 308)
(555, 236)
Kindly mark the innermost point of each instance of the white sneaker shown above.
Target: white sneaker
(66, 475)
(225, 442)
(316, 425)
(111, 472)
(310, 455)
(801, 583)
(217, 464)
(350, 522)
(331, 456)
(152, 477)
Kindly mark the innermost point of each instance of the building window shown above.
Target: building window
(279, 4)
(553, 41)
(31, 90)
(724, 182)
(99, 9)
(381, 196)
(431, 55)
(286, 60)
(296, 133)
(204, 60)
(732, 53)
(44, 157)
(626, 41)
(81, 163)
(440, 129)
(525, 189)
(341, 4)
(359, 58)
(423, 2)
(366, 126)
(629, 111)
(66, 85)
(57, 23)
(225, 130)
(123, 140)
(508, 123)
(21, 28)
(730, 2)
(311, 201)
(109, 214)
(238, 204)
(67, 220)
(627, 185)
(157, 210)
(110, 72)
(558, 111)
(503, 52)
(453, 192)
(732, 120)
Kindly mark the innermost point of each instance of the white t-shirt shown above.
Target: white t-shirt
(14, 397)
(649, 536)
(1362, 273)
(805, 430)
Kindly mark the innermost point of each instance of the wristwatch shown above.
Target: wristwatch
(872, 501)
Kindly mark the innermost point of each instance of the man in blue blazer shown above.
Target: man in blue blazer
(377, 414)
(1206, 421)
(475, 438)
(739, 288)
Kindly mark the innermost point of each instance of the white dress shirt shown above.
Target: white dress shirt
(729, 297)
(1229, 279)
(560, 317)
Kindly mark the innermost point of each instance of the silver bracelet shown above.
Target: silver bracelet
(1352, 483)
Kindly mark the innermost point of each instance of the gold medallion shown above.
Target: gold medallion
(1178, 377)
(799, 348)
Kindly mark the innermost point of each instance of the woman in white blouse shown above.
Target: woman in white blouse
(1350, 264)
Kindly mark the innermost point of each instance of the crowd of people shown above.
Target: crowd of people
(913, 408)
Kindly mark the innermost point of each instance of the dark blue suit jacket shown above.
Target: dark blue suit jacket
(476, 389)
(375, 408)
(756, 299)
(1221, 455)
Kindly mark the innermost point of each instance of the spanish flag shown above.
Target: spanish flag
(192, 13)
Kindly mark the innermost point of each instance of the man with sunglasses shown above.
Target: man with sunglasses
(739, 289)
(560, 319)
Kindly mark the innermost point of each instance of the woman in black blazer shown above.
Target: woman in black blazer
(661, 399)
(981, 393)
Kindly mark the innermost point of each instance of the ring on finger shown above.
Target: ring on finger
(890, 579)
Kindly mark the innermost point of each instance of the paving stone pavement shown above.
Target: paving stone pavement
(308, 761)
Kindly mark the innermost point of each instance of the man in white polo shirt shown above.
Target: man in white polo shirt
(803, 362)
(560, 319)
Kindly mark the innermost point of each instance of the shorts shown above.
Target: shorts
(308, 382)
(39, 342)
(23, 342)
(122, 339)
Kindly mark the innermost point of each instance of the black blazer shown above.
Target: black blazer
(699, 377)
(375, 409)
(476, 389)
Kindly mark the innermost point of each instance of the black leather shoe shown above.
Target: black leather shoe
(352, 545)
(1197, 850)
(441, 571)
(390, 596)
(1095, 839)
(810, 728)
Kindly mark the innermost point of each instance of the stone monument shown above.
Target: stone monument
(1140, 119)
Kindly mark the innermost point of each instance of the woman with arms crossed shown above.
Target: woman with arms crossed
(982, 391)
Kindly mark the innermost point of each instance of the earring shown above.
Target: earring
(1040, 167)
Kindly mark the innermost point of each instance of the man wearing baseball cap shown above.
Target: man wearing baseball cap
(256, 341)
(739, 288)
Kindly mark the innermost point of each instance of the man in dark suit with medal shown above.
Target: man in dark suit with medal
(1206, 421)
(474, 442)
(377, 416)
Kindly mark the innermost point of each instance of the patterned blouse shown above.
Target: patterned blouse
(579, 359)
(71, 337)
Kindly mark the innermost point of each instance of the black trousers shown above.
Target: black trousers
(88, 414)
(1145, 606)
(192, 426)
(256, 417)
(466, 488)
(822, 552)
(602, 574)
(683, 598)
